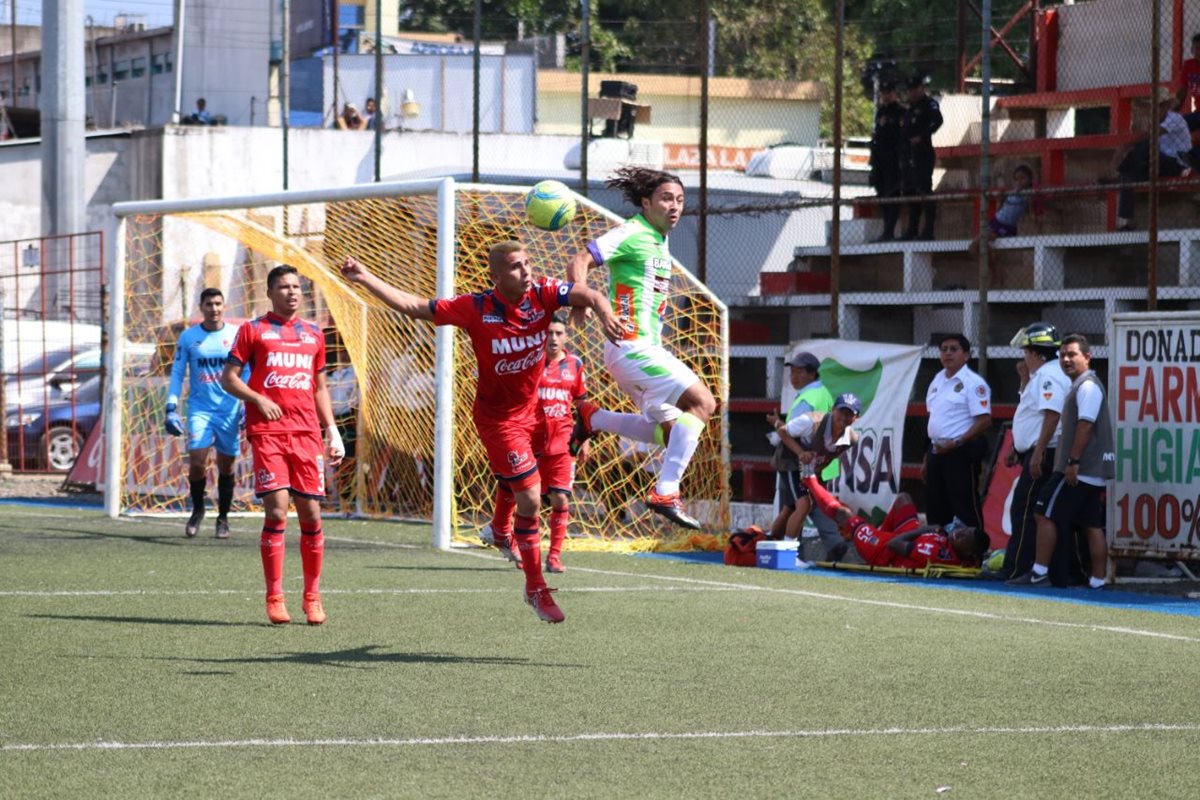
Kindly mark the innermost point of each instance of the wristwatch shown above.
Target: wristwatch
(1072, 462)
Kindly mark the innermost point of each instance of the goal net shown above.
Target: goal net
(401, 389)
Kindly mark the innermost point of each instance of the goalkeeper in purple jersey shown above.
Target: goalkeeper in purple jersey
(213, 415)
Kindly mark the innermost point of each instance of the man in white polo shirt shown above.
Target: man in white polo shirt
(959, 403)
(1035, 431)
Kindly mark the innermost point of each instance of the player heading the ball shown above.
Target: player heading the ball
(507, 325)
(675, 404)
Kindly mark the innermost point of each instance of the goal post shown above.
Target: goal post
(403, 389)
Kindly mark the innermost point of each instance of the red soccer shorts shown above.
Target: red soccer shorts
(557, 472)
(289, 460)
(509, 446)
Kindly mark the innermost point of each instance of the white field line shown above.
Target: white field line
(452, 741)
(731, 586)
(50, 593)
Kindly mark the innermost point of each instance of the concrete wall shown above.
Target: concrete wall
(1107, 42)
(226, 58)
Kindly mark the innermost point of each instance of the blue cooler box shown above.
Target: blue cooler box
(776, 555)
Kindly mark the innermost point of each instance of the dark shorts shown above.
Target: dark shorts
(791, 487)
(1001, 229)
(1081, 504)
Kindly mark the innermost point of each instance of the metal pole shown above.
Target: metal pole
(12, 29)
(443, 426)
(985, 182)
(285, 92)
(379, 89)
(835, 235)
(1155, 129)
(705, 66)
(585, 56)
(336, 38)
(476, 60)
(180, 16)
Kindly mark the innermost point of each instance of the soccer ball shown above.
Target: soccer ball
(550, 205)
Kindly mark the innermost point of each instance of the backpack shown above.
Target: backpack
(740, 551)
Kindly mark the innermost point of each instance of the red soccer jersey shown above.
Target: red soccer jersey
(561, 385)
(1190, 80)
(284, 358)
(509, 341)
(928, 548)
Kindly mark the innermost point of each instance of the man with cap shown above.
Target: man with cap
(959, 403)
(921, 120)
(804, 374)
(817, 439)
(886, 143)
(1035, 433)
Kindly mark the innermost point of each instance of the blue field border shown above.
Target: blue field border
(69, 503)
(1106, 598)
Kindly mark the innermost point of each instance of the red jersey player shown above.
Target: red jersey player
(900, 540)
(507, 325)
(287, 407)
(560, 388)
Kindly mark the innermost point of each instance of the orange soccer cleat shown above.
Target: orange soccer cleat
(671, 507)
(554, 563)
(276, 610)
(313, 609)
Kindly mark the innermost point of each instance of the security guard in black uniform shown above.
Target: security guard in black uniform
(886, 146)
(921, 120)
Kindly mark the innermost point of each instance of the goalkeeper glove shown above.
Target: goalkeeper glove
(174, 421)
(336, 448)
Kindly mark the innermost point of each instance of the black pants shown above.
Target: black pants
(918, 180)
(888, 183)
(1136, 167)
(1019, 555)
(952, 484)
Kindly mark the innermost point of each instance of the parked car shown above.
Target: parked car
(51, 376)
(51, 436)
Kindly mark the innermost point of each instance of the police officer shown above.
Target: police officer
(886, 145)
(959, 403)
(921, 120)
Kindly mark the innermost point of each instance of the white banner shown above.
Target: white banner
(1154, 394)
(881, 375)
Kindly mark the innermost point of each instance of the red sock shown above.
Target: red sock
(529, 542)
(827, 502)
(559, 518)
(506, 504)
(312, 553)
(270, 545)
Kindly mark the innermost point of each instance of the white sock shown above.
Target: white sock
(685, 435)
(1038, 569)
(631, 426)
(1095, 583)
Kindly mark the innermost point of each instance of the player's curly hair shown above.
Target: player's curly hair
(638, 183)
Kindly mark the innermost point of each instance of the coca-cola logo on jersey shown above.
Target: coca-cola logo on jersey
(301, 381)
(531, 359)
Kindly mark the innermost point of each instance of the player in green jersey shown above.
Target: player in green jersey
(675, 404)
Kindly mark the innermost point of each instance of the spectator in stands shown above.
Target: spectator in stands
(350, 119)
(370, 114)
(1016, 203)
(886, 143)
(1083, 463)
(1035, 433)
(804, 373)
(921, 121)
(201, 116)
(1132, 163)
(1188, 93)
(959, 403)
(817, 439)
(900, 540)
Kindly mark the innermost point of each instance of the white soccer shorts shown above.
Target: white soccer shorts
(653, 378)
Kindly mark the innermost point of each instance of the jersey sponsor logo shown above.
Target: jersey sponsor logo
(662, 285)
(553, 393)
(289, 360)
(269, 335)
(518, 344)
(210, 362)
(532, 359)
(493, 319)
(299, 381)
(307, 338)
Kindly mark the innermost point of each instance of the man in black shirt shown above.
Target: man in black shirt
(886, 143)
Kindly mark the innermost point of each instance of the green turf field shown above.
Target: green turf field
(138, 664)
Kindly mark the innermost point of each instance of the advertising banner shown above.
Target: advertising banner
(882, 376)
(1154, 392)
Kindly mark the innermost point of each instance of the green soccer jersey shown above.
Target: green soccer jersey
(639, 270)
